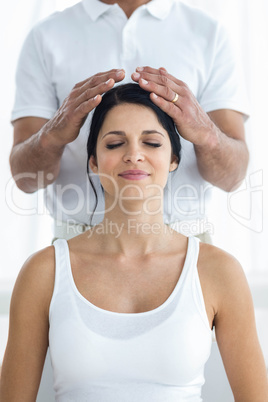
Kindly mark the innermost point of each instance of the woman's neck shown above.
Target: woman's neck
(132, 236)
(133, 231)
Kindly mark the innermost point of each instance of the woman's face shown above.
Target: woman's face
(133, 152)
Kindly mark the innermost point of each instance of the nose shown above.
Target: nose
(133, 154)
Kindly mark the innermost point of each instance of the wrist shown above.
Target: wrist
(49, 140)
(211, 140)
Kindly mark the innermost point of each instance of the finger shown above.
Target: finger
(116, 74)
(89, 93)
(159, 76)
(159, 79)
(175, 99)
(114, 71)
(154, 71)
(164, 72)
(103, 78)
(168, 107)
(100, 80)
(86, 107)
(142, 72)
(167, 91)
(147, 69)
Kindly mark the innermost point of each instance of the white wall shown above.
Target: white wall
(240, 220)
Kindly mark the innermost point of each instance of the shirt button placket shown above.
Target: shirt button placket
(129, 46)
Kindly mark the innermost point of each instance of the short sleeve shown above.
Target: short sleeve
(225, 87)
(35, 93)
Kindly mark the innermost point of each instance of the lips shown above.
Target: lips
(134, 174)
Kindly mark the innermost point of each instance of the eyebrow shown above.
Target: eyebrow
(122, 133)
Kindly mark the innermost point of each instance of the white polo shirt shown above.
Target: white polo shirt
(91, 37)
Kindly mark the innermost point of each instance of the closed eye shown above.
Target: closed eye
(112, 146)
(153, 144)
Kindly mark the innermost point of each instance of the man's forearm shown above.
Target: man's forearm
(223, 160)
(35, 162)
(38, 155)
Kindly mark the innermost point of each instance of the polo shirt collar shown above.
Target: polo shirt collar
(95, 8)
(158, 8)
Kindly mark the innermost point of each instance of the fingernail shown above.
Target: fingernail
(119, 73)
(108, 82)
(136, 76)
(154, 96)
(139, 69)
(144, 81)
(95, 97)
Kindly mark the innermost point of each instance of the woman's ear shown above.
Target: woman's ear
(93, 164)
(174, 163)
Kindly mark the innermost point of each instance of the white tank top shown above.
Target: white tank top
(103, 356)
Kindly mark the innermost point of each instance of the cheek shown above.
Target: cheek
(106, 163)
(106, 166)
(162, 173)
(164, 161)
(163, 167)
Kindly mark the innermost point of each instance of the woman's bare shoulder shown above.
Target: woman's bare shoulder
(221, 273)
(36, 277)
(216, 261)
(41, 262)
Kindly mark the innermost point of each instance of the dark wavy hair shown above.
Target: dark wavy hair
(132, 94)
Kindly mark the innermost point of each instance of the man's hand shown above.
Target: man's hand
(218, 136)
(39, 143)
(64, 127)
(191, 120)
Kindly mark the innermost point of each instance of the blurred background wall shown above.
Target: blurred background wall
(239, 219)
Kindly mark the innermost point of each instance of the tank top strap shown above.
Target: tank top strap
(63, 273)
(61, 257)
(190, 264)
(190, 271)
(193, 281)
(192, 252)
(62, 261)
